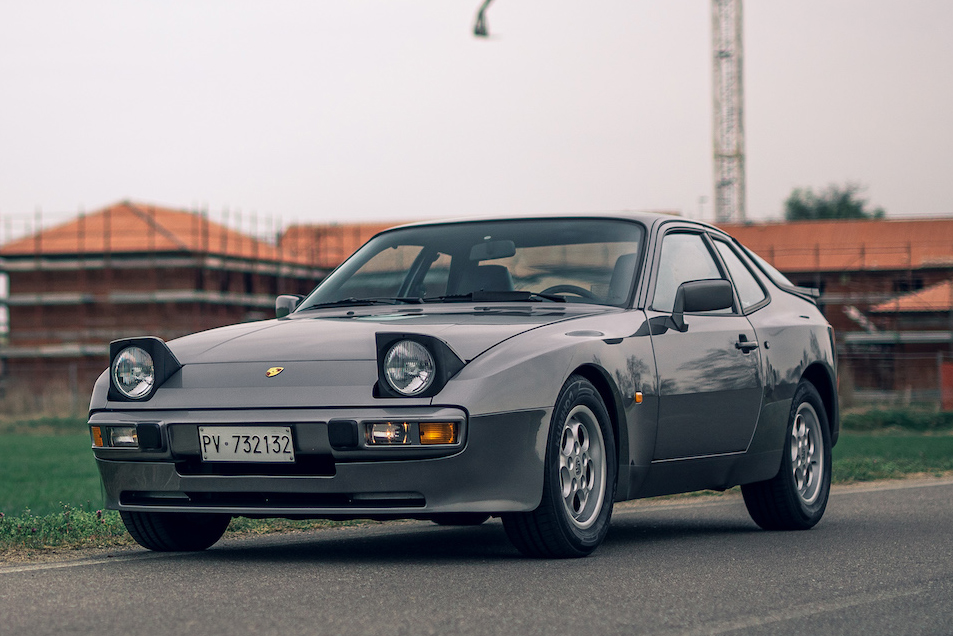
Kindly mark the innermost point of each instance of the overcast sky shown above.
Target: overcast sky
(390, 110)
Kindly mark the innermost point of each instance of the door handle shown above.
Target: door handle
(745, 345)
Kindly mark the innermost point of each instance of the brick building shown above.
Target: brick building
(327, 245)
(128, 270)
(885, 287)
(133, 269)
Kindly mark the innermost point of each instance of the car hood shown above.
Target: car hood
(348, 334)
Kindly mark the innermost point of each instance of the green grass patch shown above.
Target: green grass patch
(43, 472)
(866, 457)
(51, 497)
(70, 528)
(73, 529)
(894, 420)
(44, 426)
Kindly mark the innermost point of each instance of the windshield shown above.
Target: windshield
(544, 260)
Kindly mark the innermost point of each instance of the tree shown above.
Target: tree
(834, 202)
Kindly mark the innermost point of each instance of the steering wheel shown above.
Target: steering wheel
(570, 289)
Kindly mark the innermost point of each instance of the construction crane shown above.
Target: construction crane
(728, 96)
(728, 103)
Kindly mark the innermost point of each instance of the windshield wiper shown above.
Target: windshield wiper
(358, 302)
(495, 297)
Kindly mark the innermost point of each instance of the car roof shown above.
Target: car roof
(647, 218)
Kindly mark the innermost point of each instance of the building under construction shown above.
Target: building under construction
(130, 270)
(885, 287)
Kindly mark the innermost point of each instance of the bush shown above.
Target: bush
(876, 420)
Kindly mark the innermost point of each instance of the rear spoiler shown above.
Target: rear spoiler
(807, 293)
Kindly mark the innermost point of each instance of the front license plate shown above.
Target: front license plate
(246, 444)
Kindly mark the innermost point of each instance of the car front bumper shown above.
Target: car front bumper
(496, 467)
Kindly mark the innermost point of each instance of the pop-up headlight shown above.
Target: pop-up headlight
(409, 367)
(138, 367)
(133, 372)
(413, 365)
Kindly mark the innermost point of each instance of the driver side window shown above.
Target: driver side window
(684, 257)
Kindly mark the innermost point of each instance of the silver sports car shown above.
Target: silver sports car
(535, 369)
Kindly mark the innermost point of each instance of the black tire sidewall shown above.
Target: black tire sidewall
(576, 391)
(175, 531)
(810, 513)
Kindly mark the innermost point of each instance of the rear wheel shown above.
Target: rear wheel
(175, 531)
(579, 480)
(795, 498)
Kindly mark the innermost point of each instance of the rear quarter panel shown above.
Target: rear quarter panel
(795, 342)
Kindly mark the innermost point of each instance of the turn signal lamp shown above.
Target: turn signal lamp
(438, 432)
(97, 434)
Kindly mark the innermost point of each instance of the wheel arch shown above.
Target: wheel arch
(612, 398)
(822, 379)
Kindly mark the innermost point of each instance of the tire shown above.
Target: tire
(795, 498)
(579, 480)
(460, 518)
(175, 531)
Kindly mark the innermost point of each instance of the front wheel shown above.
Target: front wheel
(795, 498)
(579, 480)
(175, 531)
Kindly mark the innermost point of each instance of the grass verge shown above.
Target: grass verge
(43, 472)
(888, 421)
(50, 496)
(44, 426)
(860, 457)
(27, 535)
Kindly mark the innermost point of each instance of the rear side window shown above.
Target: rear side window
(749, 290)
(776, 277)
(684, 257)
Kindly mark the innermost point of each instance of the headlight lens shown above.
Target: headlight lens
(134, 372)
(409, 367)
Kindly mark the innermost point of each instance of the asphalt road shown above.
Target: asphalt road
(880, 562)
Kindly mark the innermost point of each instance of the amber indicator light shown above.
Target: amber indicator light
(97, 436)
(438, 432)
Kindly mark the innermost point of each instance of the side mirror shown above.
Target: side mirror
(701, 295)
(285, 304)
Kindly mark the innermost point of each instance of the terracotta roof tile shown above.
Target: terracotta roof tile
(328, 245)
(848, 245)
(935, 298)
(131, 228)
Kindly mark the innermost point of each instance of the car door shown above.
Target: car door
(709, 373)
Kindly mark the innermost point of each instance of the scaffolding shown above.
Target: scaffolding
(129, 270)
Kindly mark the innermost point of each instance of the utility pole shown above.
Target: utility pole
(728, 94)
